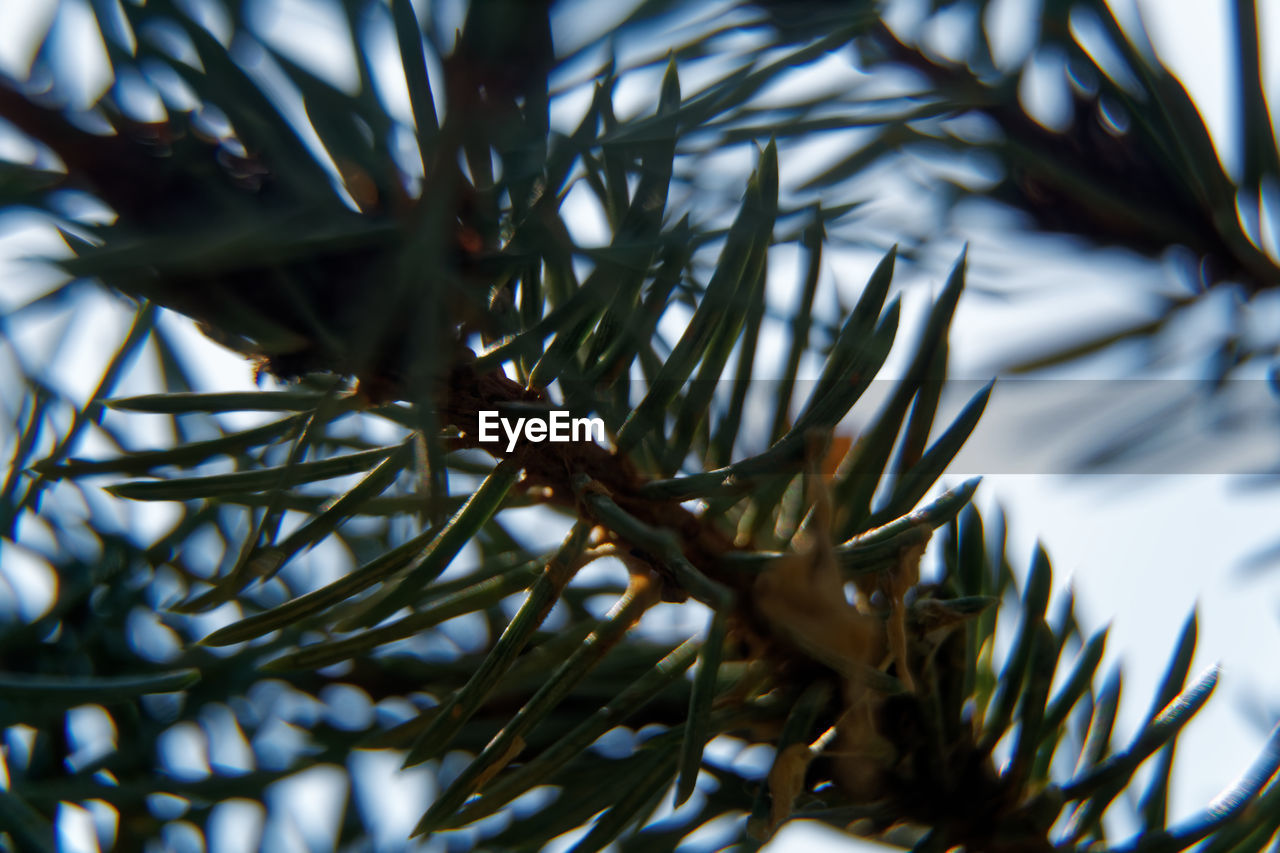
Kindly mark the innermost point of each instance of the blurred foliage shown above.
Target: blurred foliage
(406, 264)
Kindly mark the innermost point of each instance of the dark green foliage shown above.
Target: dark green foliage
(454, 285)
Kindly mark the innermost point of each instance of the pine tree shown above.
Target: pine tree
(400, 278)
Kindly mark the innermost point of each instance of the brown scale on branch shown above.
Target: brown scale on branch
(801, 597)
